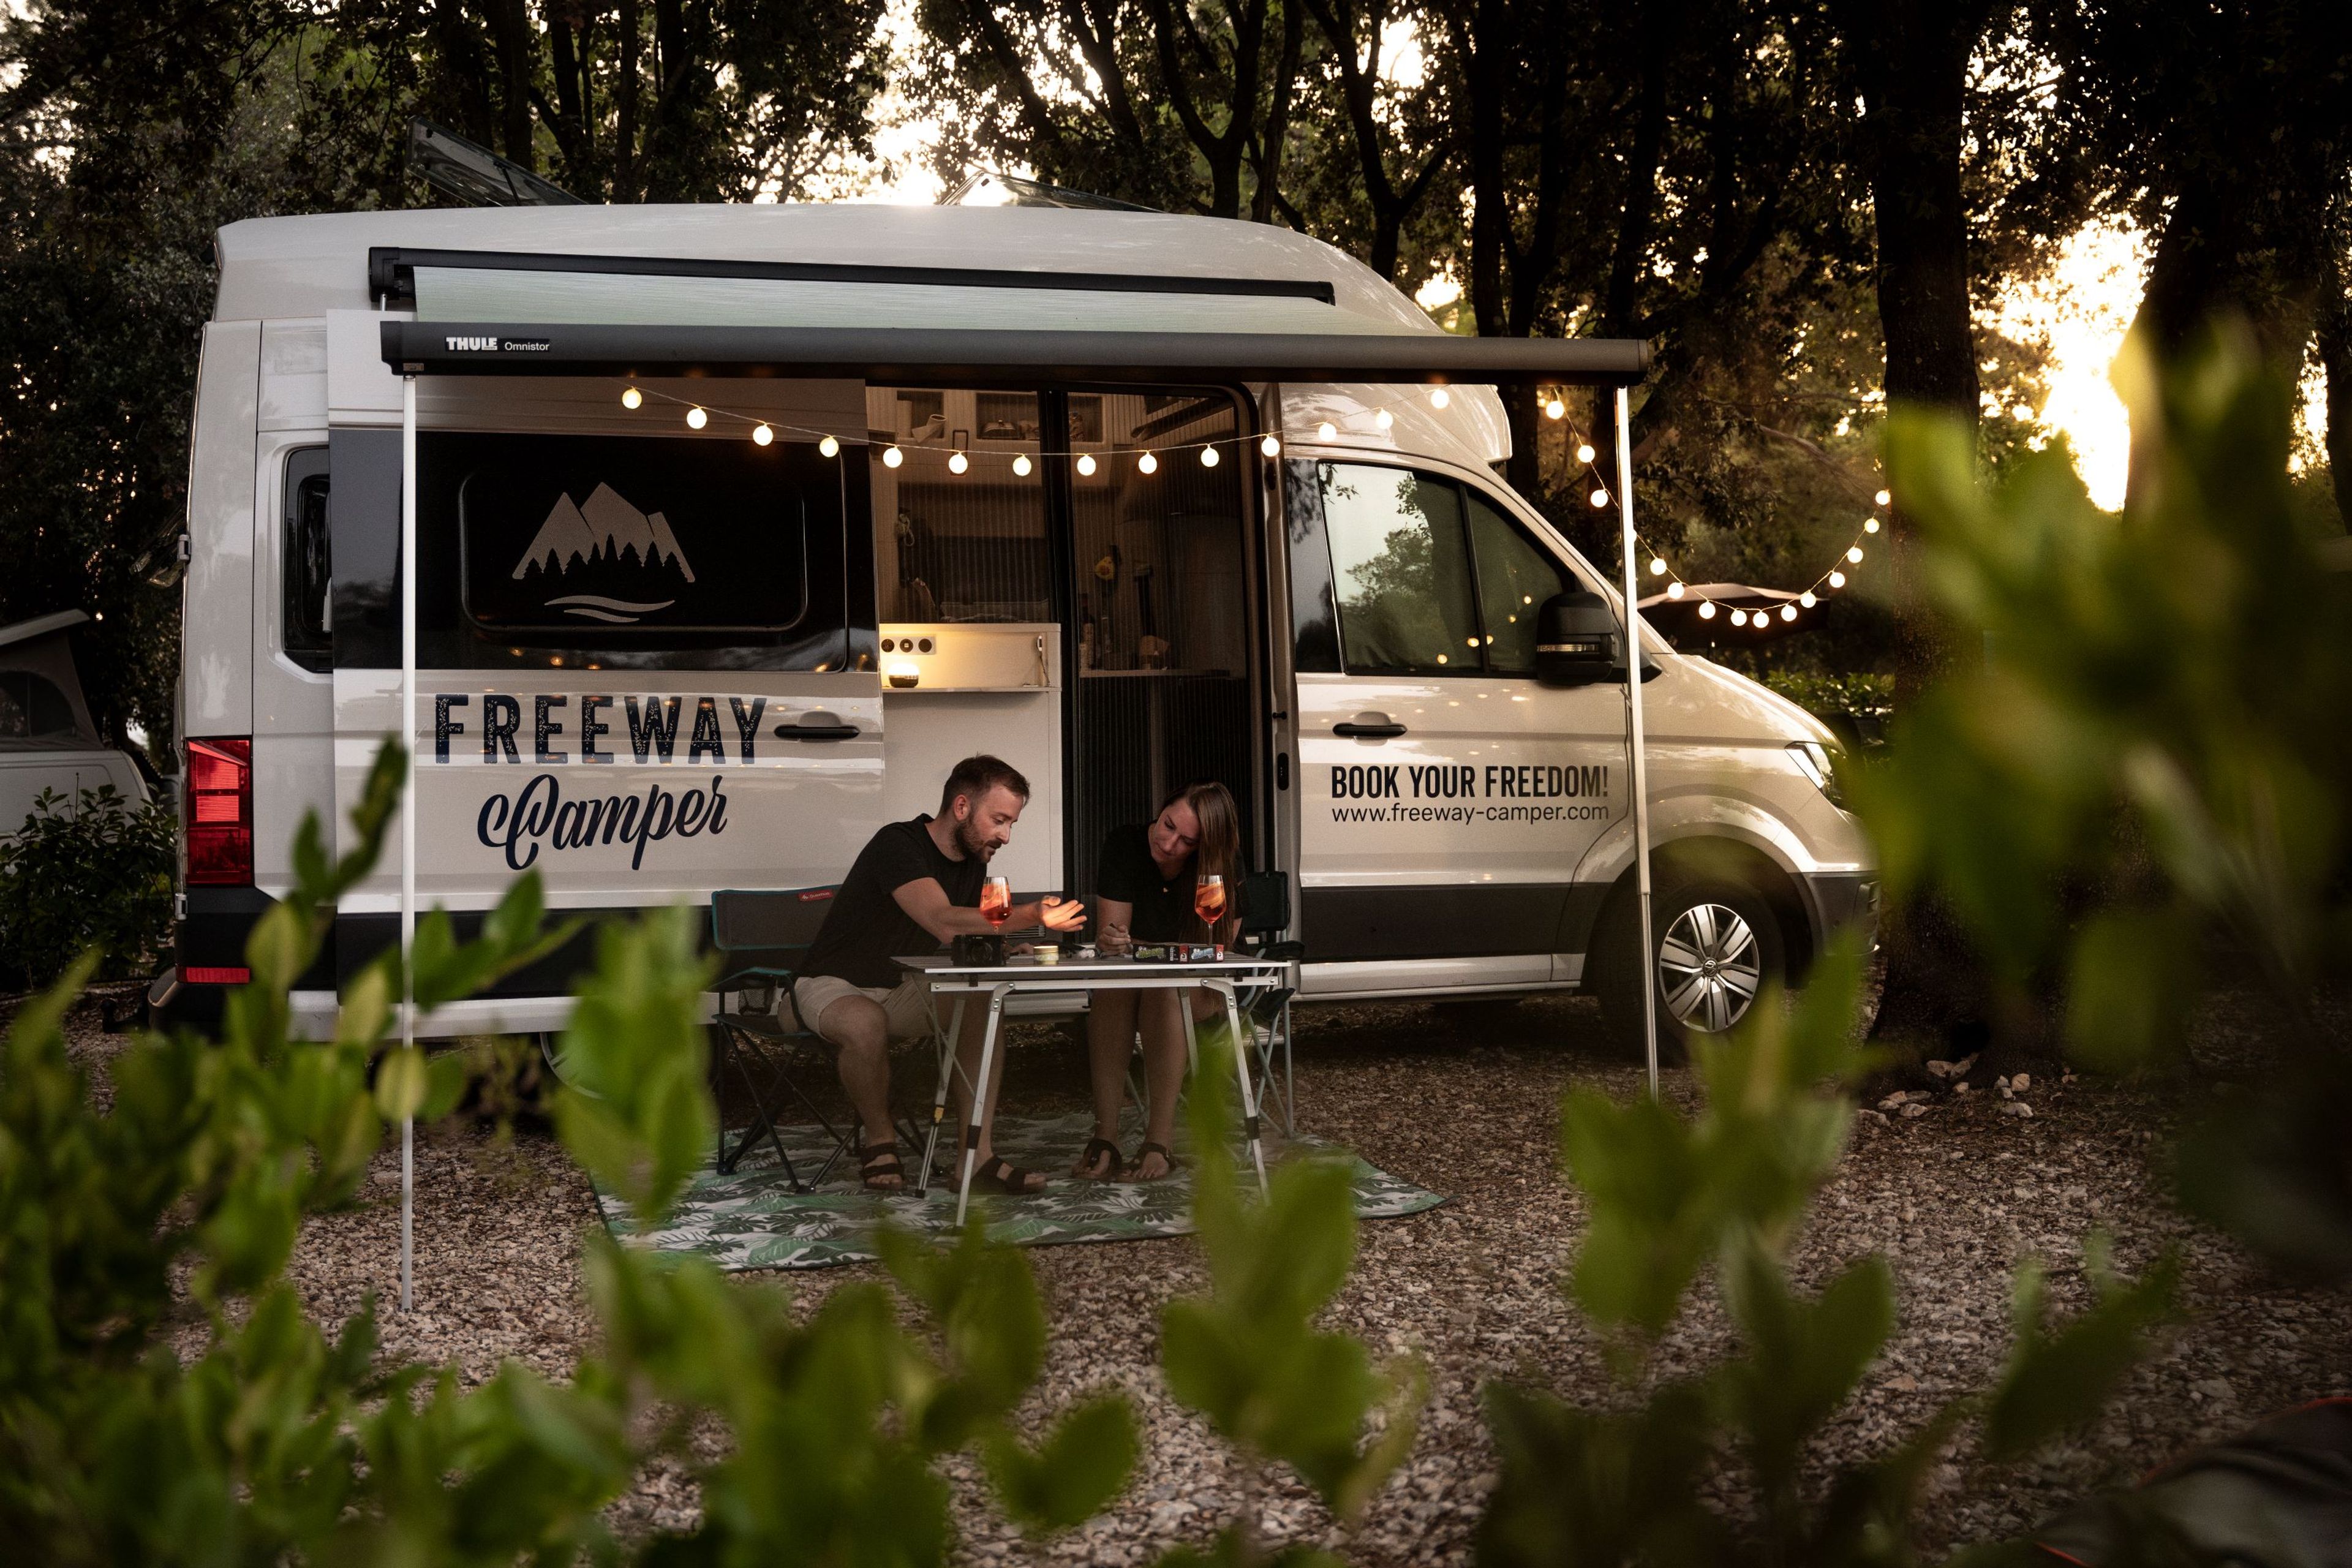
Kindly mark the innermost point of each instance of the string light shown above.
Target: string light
(1440, 397)
(761, 434)
(1854, 554)
(1885, 497)
(1676, 590)
(1658, 567)
(696, 418)
(1383, 419)
(1599, 497)
(1085, 462)
(1707, 609)
(1788, 612)
(1146, 464)
(631, 398)
(1808, 598)
(1584, 453)
(1020, 464)
(1554, 409)
(1837, 579)
(1271, 446)
(1208, 457)
(958, 462)
(829, 447)
(892, 458)
(1870, 525)
(1738, 617)
(1325, 431)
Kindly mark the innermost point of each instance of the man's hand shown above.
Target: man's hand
(1061, 914)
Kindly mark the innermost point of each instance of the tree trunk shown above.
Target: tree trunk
(2336, 358)
(510, 38)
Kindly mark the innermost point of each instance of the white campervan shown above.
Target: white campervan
(677, 631)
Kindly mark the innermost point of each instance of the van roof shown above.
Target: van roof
(283, 267)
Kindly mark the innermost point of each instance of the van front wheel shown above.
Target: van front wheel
(1718, 946)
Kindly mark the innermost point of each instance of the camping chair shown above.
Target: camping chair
(762, 939)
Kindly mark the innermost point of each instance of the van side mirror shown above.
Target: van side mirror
(1577, 643)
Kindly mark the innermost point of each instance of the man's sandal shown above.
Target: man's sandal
(1100, 1146)
(878, 1161)
(1136, 1164)
(1008, 1178)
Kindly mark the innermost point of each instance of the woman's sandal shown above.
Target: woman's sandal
(877, 1161)
(1087, 1161)
(1007, 1178)
(1136, 1164)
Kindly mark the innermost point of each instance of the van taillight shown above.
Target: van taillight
(220, 813)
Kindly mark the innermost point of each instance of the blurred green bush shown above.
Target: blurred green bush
(95, 872)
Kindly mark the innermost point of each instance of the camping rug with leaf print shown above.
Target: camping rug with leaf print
(753, 1219)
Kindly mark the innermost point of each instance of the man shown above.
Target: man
(913, 886)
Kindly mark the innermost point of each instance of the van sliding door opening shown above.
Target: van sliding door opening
(1014, 518)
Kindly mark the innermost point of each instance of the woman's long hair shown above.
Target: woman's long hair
(1219, 853)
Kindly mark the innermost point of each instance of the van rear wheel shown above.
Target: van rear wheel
(1719, 945)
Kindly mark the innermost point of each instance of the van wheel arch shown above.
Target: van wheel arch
(1697, 861)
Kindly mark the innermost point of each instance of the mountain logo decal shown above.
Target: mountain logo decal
(609, 554)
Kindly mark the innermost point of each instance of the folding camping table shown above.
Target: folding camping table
(964, 983)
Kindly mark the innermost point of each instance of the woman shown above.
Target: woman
(1144, 881)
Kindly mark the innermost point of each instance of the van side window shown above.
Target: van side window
(1513, 577)
(305, 564)
(32, 709)
(1402, 570)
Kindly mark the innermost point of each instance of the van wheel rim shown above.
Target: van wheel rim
(1709, 967)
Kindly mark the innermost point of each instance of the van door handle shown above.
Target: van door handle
(816, 731)
(1368, 731)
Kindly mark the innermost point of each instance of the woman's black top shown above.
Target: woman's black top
(1163, 905)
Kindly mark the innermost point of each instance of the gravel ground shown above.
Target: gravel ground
(1464, 1102)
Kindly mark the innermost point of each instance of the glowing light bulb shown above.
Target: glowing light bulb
(1599, 497)
(1020, 464)
(1788, 612)
(1085, 462)
(829, 447)
(696, 418)
(1808, 599)
(1383, 419)
(892, 458)
(1870, 525)
(1326, 430)
(1440, 398)
(1738, 617)
(1854, 555)
(1271, 446)
(631, 398)
(958, 462)
(1146, 464)
(1837, 579)
(1658, 567)
(1676, 590)
(1707, 610)
(761, 434)
(1554, 409)
(1208, 457)
(1584, 453)
(1885, 497)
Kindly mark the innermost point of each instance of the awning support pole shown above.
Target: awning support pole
(1641, 785)
(407, 821)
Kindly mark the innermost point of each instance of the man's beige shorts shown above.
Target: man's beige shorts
(907, 1005)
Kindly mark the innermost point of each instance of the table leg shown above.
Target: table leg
(940, 1099)
(979, 1100)
(1192, 1032)
(1249, 1095)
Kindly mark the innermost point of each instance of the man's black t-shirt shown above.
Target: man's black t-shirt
(1163, 905)
(866, 929)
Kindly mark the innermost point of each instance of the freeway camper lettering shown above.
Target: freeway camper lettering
(538, 816)
(658, 728)
(653, 726)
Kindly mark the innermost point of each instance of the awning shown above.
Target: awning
(508, 313)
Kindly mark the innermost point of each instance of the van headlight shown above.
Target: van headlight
(1817, 763)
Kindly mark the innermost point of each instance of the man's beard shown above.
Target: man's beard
(972, 844)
